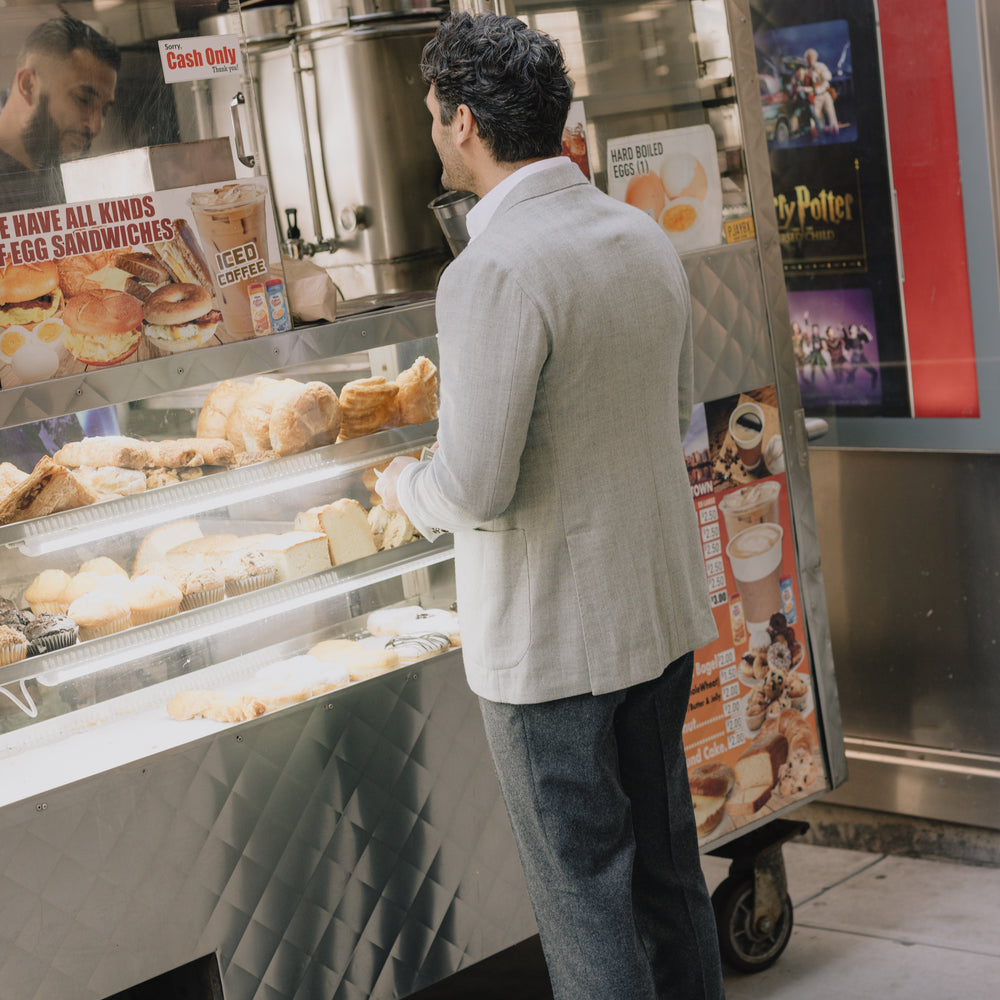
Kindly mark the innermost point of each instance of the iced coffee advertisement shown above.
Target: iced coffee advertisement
(751, 735)
(673, 177)
(98, 284)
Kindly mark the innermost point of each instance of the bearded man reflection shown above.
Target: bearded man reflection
(62, 89)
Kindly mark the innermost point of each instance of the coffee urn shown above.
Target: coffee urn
(337, 122)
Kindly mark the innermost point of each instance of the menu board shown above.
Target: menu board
(108, 282)
(751, 735)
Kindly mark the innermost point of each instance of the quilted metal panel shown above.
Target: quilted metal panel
(732, 349)
(354, 846)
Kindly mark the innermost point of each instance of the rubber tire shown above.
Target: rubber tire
(743, 948)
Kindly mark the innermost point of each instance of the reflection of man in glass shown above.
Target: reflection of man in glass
(62, 90)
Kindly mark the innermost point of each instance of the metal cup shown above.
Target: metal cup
(450, 209)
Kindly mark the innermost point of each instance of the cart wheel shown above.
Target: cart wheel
(743, 946)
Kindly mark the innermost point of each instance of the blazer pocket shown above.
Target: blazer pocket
(495, 589)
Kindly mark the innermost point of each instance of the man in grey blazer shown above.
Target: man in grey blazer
(564, 333)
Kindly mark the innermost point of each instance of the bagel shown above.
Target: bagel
(105, 326)
(180, 317)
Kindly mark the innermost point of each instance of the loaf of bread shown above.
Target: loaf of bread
(305, 417)
(348, 534)
(761, 760)
(294, 553)
(218, 407)
(49, 489)
(249, 425)
(416, 401)
(366, 404)
(746, 801)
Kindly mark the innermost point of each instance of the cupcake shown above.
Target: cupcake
(246, 571)
(102, 566)
(82, 583)
(201, 587)
(99, 613)
(151, 598)
(47, 632)
(45, 590)
(13, 645)
(14, 618)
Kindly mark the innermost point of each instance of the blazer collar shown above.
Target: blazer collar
(557, 178)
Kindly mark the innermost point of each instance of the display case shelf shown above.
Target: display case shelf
(179, 500)
(207, 628)
(126, 383)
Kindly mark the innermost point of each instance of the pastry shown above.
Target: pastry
(98, 614)
(293, 553)
(180, 453)
(154, 547)
(296, 679)
(10, 476)
(417, 647)
(366, 404)
(123, 452)
(348, 534)
(80, 584)
(102, 566)
(49, 489)
(746, 801)
(761, 760)
(246, 570)
(202, 587)
(416, 401)
(362, 663)
(249, 425)
(303, 418)
(45, 590)
(713, 778)
(216, 706)
(797, 774)
(217, 407)
(13, 645)
(47, 632)
(112, 481)
(390, 529)
(151, 598)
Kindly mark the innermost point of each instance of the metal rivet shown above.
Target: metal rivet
(42, 806)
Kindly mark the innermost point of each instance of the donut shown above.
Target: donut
(417, 646)
(779, 656)
(176, 303)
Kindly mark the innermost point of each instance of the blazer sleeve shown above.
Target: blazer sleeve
(493, 343)
(685, 373)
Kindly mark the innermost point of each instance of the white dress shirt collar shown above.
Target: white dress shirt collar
(480, 214)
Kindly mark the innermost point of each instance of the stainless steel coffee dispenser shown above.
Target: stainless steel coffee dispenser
(342, 132)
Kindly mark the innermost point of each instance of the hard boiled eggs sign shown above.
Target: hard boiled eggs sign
(673, 177)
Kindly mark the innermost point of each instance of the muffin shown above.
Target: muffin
(48, 631)
(82, 583)
(99, 613)
(102, 566)
(15, 619)
(246, 571)
(201, 587)
(151, 598)
(45, 590)
(13, 645)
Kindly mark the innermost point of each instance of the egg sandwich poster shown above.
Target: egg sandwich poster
(673, 177)
(98, 284)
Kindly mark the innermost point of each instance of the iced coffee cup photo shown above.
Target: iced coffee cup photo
(750, 505)
(755, 557)
(231, 220)
(746, 428)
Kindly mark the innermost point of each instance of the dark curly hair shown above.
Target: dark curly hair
(511, 77)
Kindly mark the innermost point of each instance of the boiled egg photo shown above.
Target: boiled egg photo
(683, 176)
(647, 193)
(35, 362)
(50, 331)
(12, 340)
(682, 218)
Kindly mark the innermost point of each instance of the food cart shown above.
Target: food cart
(349, 839)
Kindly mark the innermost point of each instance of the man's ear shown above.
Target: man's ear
(26, 84)
(464, 124)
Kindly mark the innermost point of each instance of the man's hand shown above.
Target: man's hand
(385, 485)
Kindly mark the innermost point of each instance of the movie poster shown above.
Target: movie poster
(751, 735)
(821, 98)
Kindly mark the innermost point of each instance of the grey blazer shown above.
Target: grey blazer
(564, 332)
